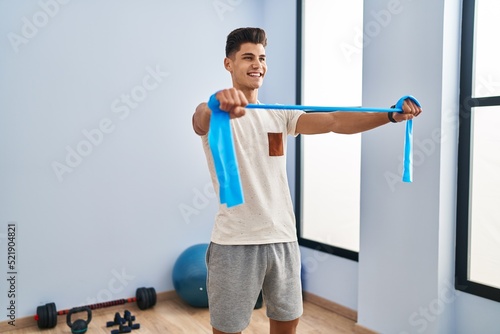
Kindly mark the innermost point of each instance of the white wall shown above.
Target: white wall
(400, 237)
(406, 268)
(476, 315)
(115, 222)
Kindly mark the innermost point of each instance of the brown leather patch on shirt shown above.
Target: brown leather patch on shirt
(275, 144)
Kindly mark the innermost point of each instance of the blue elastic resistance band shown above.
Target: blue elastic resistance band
(408, 155)
(220, 140)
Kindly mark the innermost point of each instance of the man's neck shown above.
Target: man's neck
(251, 95)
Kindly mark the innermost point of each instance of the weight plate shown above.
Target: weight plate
(41, 312)
(52, 312)
(142, 296)
(153, 297)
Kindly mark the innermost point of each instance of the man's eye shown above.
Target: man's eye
(262, 59)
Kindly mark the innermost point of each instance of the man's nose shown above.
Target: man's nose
(256, 64)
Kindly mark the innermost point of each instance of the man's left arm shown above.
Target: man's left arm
(352, 122)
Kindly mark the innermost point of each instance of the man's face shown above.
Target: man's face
(247, 66)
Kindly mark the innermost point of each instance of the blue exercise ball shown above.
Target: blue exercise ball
(190, 276)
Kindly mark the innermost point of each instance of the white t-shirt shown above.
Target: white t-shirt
(267, 214)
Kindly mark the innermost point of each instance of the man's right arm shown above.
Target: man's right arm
(201, 119)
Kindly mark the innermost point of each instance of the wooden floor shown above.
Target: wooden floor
(176, 317)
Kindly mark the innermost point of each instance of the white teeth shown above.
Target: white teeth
(254, 74)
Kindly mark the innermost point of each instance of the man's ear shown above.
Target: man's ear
(228, 64)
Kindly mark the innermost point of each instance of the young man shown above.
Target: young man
(254, 245)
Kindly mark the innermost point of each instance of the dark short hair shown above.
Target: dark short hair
(244, 35)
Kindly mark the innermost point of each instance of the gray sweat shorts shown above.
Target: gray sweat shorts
(237, 274)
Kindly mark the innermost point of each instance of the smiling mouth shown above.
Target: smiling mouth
(255, 74)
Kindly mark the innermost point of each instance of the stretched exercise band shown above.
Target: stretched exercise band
(220, 140)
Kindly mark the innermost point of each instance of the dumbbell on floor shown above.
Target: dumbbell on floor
(125, 324)
(46, 315)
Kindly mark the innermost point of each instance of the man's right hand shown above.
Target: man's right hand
(232, 101)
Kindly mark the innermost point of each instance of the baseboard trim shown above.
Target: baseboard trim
(331, 306)
(339, 309)
(27, 322)
(358, 329)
